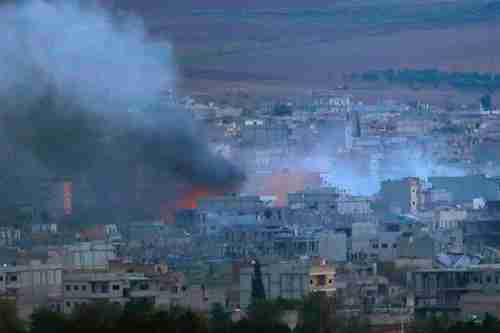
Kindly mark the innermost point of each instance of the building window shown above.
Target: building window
(321, 280)
(488, 279)
(104, 288)
(1, 278)
(394, 245)
(116, 287)
(75, 287)
(68, 304)
(384, 245)
(13, 278)
(84, 287)
(68, 287)
(375, 246)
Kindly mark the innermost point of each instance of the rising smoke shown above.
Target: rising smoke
(82, 91)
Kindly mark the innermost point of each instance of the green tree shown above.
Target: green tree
(220, 320)
(94, 317)
(44, 320)
(258, 291)
(318, 314)
(9, 321)
(264, 312)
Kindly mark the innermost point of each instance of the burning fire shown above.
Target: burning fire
(190, 201)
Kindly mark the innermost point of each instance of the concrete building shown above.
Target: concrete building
(289, 280)
(448, 218)
(148, 232)
(449, 240)
(354, 206)
(323, 199)
(384, 246)
(361, 238)
(333, 246)
(91, 286)
(416, 246)
(238, 204)
(459, 292)
(467, 188)
(49, 228)
(402, 196)
(439, 196)
(88, 255)
(9, 236)
(264, 133)
(331, 102)
(31, 285)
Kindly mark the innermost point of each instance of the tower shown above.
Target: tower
(356, 124)
(348, 132)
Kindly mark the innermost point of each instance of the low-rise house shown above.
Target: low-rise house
(9, 236)
(88, 255)
(460, 292)
(354, 206)
(448, 218)
(114, 287)
(289, 280)
(50, 228)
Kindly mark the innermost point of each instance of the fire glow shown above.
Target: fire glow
(190, 201)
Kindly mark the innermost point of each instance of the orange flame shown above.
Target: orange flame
(190, 201)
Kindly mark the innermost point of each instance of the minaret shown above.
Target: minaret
(356, 124)
(348, 132)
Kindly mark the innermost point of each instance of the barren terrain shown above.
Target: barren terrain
(295, 45)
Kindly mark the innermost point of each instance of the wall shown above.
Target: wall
(333, 247)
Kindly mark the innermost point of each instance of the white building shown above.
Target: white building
(9, 236)
(448, 218)
(88, 255)
(87, 287)
(354, 206)
(32, 285)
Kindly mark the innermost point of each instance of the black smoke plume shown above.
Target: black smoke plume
(83, 93)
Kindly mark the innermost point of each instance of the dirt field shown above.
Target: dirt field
(293, 45)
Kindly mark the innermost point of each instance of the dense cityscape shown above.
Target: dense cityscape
(130, 206)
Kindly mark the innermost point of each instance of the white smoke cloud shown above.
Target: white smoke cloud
(84, 51)
(359, 177)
